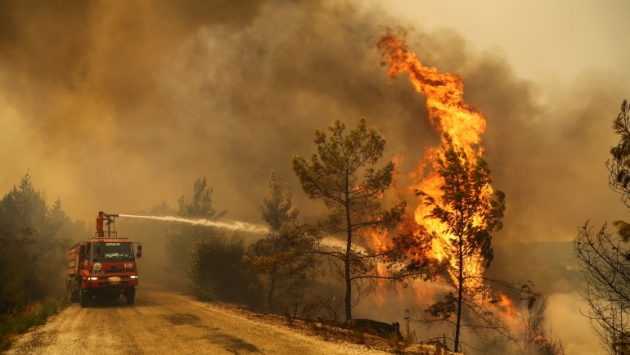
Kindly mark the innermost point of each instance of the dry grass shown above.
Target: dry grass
(338, 332)
(34, 314)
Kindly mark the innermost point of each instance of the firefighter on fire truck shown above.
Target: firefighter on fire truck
(99, 223)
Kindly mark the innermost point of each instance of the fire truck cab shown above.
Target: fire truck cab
(103, 268)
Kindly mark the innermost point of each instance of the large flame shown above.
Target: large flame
(447, 109)
(449, 114)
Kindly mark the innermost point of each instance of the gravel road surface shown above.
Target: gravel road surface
(164, 322)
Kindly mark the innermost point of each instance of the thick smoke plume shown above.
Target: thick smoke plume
(115, 105)
(120, 104)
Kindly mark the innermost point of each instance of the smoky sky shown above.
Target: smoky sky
(117, 106)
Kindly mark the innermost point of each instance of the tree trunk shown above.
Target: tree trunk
(271, 289)
(348, 290)
(348, 299)
(460, 292)
(348, 280)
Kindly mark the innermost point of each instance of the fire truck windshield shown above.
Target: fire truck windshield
(103, 251)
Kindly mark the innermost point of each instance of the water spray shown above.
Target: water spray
(235, 226)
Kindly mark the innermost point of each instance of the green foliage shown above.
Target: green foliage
(287, 264)
(32, 251)
(201, 204)
(34, 314)
(153, 236)
(182, 236)
(276, 206)
(341, 158)
(211, 260)
(30, 206)
(333, 176)
(217, 268)
(282, 259)
(469, 216)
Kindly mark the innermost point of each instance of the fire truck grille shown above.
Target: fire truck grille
(107, 277)
(123, 283)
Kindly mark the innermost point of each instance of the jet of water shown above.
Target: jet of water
(235, 226)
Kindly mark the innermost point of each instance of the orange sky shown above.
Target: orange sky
(116, 107)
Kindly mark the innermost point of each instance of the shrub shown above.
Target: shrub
(217, 268)
(34, 314)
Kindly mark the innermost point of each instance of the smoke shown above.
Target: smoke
(115, 105)
(563, 309)
(232, 226)
(149, 103)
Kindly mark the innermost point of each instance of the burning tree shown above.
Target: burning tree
(333, 176)
(605, 257)
(468, 215)
(458, 210)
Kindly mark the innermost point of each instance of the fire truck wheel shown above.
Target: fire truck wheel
(74, 296)
(84, 299)
(131, 295)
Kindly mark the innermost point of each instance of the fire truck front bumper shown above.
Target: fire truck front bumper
(110, 281)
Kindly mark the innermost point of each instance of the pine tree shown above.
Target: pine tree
(182, 237)
(333, 176)
(469, 215)
(284, 255)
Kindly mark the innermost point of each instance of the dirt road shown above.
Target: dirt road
(163, 322)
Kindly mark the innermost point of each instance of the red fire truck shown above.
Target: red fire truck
(103, 268)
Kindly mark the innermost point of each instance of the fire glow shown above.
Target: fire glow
(449, 114)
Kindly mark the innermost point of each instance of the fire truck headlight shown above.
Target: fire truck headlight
(134, 276)
(93, 278)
